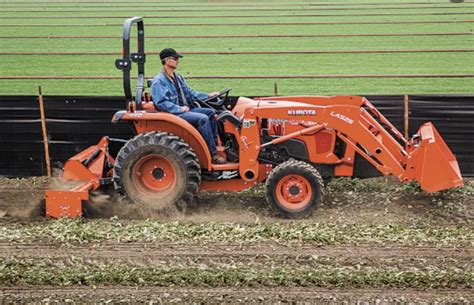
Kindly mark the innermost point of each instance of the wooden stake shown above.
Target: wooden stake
(275, 89)
(45, 133)
(406, 116)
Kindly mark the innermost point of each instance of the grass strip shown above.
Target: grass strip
(16, 272)
(116, 21)
(214, 30)
(255, 44)
(211, 9)
(252, 65)
(84, 231)
(252, 87)
(244, 14)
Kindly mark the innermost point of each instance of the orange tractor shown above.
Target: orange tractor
(290, 143)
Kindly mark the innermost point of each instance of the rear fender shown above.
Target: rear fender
(165, 122)
(118, 116)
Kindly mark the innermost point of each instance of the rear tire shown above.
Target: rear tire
(294, 189)
(157, 170)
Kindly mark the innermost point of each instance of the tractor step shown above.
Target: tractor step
(225, 167)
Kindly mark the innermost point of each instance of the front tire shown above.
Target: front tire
(157, 170)
(294, 189)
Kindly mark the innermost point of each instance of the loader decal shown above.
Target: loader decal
(248, 123)
(342, 117)
(302, 112)
(136, 114)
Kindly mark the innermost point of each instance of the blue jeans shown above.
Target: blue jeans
(203, 119)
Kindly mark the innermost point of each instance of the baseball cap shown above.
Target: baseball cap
(169, 52)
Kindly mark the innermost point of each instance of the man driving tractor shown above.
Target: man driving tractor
(171, 94)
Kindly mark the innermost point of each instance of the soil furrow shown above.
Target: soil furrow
(218, 294)
(111, 250)
(265, 255)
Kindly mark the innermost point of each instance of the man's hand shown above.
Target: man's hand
(213, 94)
(185, 108)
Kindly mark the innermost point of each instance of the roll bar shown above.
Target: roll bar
(125, 63)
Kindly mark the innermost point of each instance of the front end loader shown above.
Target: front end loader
(290, 143)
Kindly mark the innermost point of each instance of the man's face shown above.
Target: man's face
(172, 62)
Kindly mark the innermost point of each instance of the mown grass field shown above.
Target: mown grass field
(176, 24)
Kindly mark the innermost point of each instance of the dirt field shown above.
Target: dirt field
(370, 241)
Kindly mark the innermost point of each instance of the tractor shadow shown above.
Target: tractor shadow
(245, 206)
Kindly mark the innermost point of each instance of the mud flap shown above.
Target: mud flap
(431, 162)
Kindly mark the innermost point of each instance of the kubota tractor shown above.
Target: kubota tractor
(290, 143)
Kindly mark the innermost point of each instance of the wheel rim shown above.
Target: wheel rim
(154, 174)
(294, 192)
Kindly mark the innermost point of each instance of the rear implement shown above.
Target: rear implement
(84, 172)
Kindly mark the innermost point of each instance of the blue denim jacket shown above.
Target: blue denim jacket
(165, 96)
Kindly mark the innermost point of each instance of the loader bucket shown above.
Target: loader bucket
(431, 162)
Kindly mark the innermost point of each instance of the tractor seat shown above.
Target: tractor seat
(229, 116)
(148, 106)
(147, 103)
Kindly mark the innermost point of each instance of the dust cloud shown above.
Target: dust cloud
(23, 199)
(207, 207)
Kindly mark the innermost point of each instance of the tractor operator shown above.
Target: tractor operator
(171, 94)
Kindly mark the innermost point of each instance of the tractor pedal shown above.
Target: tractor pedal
(211, 176)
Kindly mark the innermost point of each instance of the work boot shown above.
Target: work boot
(217, 159)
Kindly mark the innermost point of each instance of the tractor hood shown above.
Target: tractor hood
(245, 102)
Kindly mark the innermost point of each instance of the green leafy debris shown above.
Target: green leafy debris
(83, 231)
(20, 272)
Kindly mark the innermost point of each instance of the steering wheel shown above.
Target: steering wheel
(219, 103)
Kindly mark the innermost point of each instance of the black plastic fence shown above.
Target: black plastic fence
(73, 123)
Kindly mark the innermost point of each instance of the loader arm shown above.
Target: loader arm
(364, 129)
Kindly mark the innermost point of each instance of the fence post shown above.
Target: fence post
(406, 116)
(45, 133)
